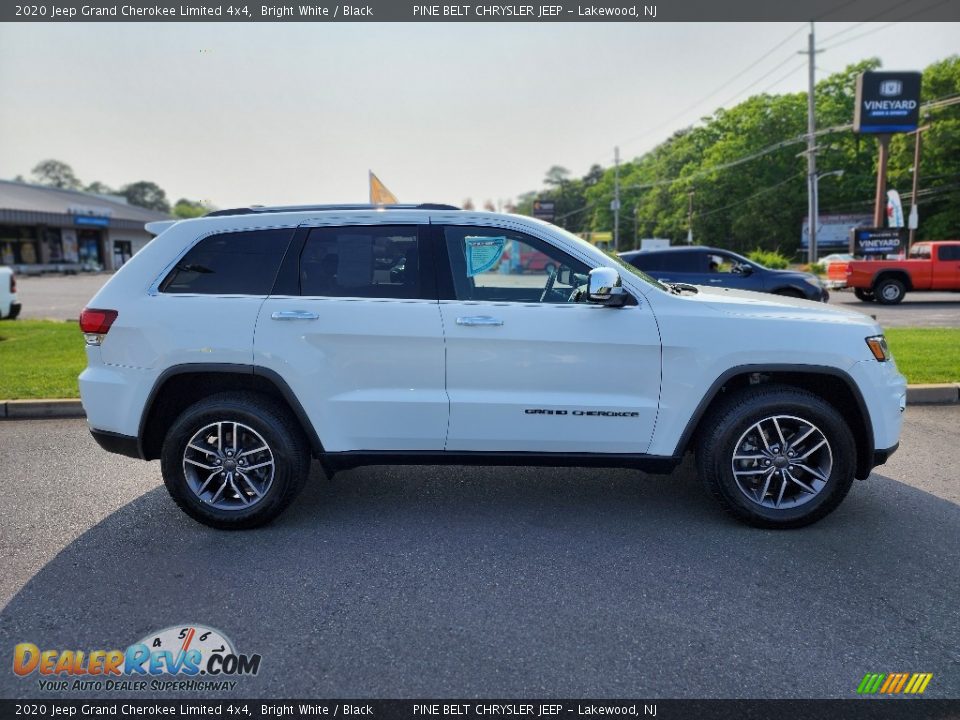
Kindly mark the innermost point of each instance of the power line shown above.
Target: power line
(934, 104)
(868, 32)
(716, 90)
(757, 194)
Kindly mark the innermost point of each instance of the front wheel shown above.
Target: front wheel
(234, 460)
(777, 457)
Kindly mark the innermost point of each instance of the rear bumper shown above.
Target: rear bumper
(881, 456)
(117, 443)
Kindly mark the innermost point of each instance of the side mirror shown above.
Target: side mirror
(744, 270)
(604, 287)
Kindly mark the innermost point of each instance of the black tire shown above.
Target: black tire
(889, 291)
(864, 295)
(731, 420)
(288, 449)
(790, 292)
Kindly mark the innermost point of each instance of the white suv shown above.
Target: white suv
(237, 346)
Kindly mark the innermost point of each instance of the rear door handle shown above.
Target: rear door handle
(295, 315)
(479, 320)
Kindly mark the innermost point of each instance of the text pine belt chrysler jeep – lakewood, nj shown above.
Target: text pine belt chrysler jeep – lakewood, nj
(239, 346)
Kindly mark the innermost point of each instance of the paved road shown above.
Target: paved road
(935, 309)
(62, 298)
(425, 581)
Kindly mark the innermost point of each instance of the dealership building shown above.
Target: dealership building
(45, 229)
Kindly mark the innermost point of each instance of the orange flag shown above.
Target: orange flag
(379, 195)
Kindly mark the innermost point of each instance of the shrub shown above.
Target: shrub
(770, 259)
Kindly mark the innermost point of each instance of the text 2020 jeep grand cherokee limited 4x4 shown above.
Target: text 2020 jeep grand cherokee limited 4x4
(237, 346)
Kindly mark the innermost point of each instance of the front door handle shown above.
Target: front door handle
(294, 315)
(479, 320)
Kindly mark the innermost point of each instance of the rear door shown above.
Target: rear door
(946, 270)
(529, 367)
(354, 328)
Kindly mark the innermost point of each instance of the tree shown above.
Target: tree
(488, 205)
(98, 188)
(186, 209)
(147, 195)
(56, 173)
(468, 204)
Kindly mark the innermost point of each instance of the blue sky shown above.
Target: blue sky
(297, 112)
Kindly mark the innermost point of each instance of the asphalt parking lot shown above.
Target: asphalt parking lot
(508, 582)
(63, 297)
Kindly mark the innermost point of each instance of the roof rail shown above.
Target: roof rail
(256, 209)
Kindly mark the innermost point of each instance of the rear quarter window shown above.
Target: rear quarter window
(237, 263)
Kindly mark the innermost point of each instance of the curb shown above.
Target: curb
(938, 394)
(31, 409)
(935, 394)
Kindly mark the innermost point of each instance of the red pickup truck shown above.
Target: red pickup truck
(930, 266)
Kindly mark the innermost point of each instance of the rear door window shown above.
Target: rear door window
(365, 261)
(949, 252)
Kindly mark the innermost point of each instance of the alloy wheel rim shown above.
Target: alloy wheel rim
(781, 462)
(228, 465)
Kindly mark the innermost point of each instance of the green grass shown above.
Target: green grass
(41, 358)
(926, 355)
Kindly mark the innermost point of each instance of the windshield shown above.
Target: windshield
(920, 251)
(618, 262)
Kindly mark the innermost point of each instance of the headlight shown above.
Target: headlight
(878, 346)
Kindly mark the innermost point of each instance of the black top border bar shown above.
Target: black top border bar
(320, 11)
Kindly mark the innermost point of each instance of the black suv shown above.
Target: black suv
(698, 265)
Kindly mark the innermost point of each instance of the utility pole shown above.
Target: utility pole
(914, 214)
(615, 205)
(880, 199)
(813, 210)
(690, 217)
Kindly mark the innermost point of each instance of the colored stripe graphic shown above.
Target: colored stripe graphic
(894, 683)
(870, 683)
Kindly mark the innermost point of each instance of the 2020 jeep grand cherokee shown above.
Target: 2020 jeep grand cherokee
(237, 346)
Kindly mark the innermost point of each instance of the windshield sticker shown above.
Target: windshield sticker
(483, 253)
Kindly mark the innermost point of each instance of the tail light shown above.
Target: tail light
(13, 284)
(94, 324)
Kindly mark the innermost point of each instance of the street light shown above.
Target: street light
(815, 213)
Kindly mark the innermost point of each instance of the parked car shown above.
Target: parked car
(698, 265)
(930, 266)
(835, 267)
(9, 305)
(237, 346)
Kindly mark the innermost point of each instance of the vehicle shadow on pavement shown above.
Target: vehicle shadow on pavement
(520, 582)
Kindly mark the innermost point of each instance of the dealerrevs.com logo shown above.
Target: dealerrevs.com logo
(184, 657)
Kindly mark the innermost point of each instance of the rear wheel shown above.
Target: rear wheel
(864, 295)
(777, 457)
(234, 460)
(889, 291)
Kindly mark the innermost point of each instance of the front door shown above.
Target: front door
(531, 366)
(354, 329)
